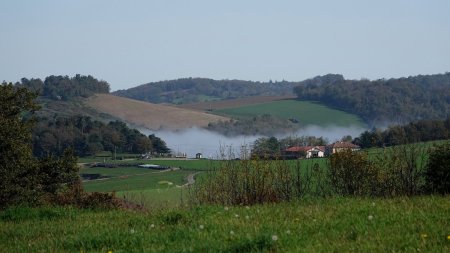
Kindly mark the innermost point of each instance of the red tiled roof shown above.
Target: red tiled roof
(343, 144)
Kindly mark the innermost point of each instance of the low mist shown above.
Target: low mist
(197, 140)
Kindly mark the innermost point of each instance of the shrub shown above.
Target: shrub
(401, 170)
(437, 175)
(351, 173)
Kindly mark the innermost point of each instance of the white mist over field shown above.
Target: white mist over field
(196, 140)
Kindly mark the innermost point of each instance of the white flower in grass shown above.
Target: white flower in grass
(236, 215)
(373, 203)
(274, 238)
(247, 217)
(132, 231)
(201, 227)
(247, 207)
(370, 217)
(152, 226)
(231, 232)
(288, 232)
(226, 208)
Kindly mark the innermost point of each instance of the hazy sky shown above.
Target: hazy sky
(128, 43)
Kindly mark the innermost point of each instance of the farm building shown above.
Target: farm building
(304, 151)
(199, 156)
(339, 146)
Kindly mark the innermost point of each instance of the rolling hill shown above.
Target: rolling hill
(194, 90)
(151, 116)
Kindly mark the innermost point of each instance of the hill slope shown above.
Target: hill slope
(151, 116)
(192, 90)
(398, 100)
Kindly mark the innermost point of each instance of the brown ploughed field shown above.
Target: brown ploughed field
(151, 116)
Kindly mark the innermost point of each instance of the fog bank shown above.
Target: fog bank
(198, 140)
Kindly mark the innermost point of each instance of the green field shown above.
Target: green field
(148, 187)
(419, 224)
(306, 112)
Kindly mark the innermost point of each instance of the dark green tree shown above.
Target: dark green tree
(438, 170)
(18, 180)
(23, 178)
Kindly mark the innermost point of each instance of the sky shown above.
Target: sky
(128, 43)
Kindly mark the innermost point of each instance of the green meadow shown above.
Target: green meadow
(306, 112)
(417, 224)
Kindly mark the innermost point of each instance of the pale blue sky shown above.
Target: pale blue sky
(128, 43)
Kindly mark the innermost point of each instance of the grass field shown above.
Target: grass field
(419, 224)
(306, 112)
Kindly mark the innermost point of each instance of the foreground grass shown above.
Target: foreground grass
(419, 224)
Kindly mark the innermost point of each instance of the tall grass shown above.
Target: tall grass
(256, 181)
(397, 171)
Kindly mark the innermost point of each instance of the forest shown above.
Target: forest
(54, 130)
(190, 90)
(413, 132)
(64, 87)
(381, 102)
(88, 137)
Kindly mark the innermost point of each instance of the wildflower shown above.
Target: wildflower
(201, 227)
(274, 237)
(297, 219)
(247, 217)
(236, 215)
(370, 217)
(247, 207)
(288, 232)
(373, 203)
(448, 237)
(152, 226)
(109, 251)
(424, 236)
(226, 208)
(231, 232)
(132, 231)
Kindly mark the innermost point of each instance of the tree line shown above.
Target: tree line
(413, 132)
(382, 101)
(88, 137)
(64, 87)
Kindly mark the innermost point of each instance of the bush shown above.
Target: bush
(351, 173)
(437, 175)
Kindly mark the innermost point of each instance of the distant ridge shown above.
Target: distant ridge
(194, 90)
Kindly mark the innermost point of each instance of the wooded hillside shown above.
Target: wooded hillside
(383, 101)
(191, 90)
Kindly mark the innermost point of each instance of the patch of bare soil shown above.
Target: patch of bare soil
(151, 116)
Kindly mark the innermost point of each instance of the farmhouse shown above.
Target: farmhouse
(304, 151)
(339, 146)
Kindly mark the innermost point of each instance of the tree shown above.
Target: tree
(17, 170)
(158, 145)
(437, 174)
(23, 178)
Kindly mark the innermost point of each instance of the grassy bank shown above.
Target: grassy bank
(307, 112)
(419, 224)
